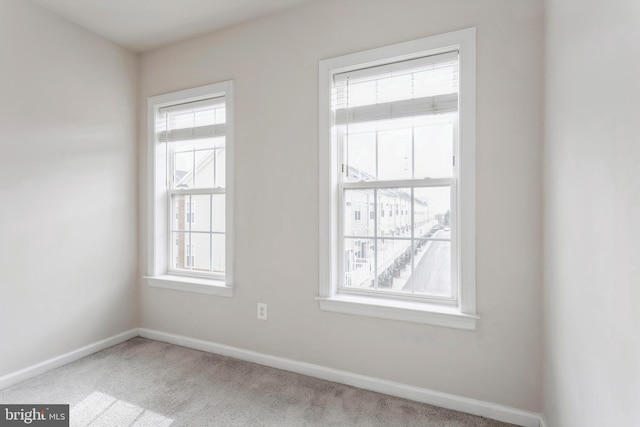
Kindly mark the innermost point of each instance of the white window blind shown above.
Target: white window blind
(425, 85)
(193, 120)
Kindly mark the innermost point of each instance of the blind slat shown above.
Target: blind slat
(203, 103)
(209, 131)
(438, 104)
(411, 65)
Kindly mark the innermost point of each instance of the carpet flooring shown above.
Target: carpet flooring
(145, 383)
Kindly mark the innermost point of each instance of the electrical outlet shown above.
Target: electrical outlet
(262, 311)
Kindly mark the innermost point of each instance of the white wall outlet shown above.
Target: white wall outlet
(262, 311)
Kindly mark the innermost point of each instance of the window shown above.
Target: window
(190, 256)
(191, 210)
(191, 190)
(179, 210)
(397, 133)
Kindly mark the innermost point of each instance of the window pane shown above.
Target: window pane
(432, 212)
(180, 243)
(179, 217)
(358, 209)
(219, 164)
(434, 151)
(394, 212)
(359, 93)
(432, 272)
(220, 115)
(198, 163)
(199, 212)
(183, 166)
(203, 177)
(433, 139)
(218, 252)
(218, 219)
(436, 81)
(361, 156)
(358, 263)
(394, 154)
(201, 255)
(194, 117)
(394, 263)
(394, 88)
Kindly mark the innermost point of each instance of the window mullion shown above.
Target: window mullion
(413, 146)
(427, 182)
(196, 191)
(215, 171)
(377, 158)
(413, 242)
(341, 215)
(375, 239)
(190, 252)
(169, 162)
(211, 232)
(194, 172)
(454, 239)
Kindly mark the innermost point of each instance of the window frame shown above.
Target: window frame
(159, 204)
(461, 314)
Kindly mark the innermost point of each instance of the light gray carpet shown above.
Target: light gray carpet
(145, 383)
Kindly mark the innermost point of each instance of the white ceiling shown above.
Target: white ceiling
(142, 25)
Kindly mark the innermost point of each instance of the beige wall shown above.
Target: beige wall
(67, 187)
(274, 63)
(592, 212)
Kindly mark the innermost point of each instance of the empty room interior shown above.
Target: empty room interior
(321, 212)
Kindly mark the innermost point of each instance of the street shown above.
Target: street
(432, 274)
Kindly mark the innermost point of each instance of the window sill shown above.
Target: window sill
(408, 311)
(190, 284)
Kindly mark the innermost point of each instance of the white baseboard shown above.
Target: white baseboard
(72, 356)
(463, 404)
(445, 400)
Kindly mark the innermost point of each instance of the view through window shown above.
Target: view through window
(396, 128)
(195, 137)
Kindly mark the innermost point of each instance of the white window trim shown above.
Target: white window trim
(158, 263)
(462, 316)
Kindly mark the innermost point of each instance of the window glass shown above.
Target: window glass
(195, 137)
(398, 122)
